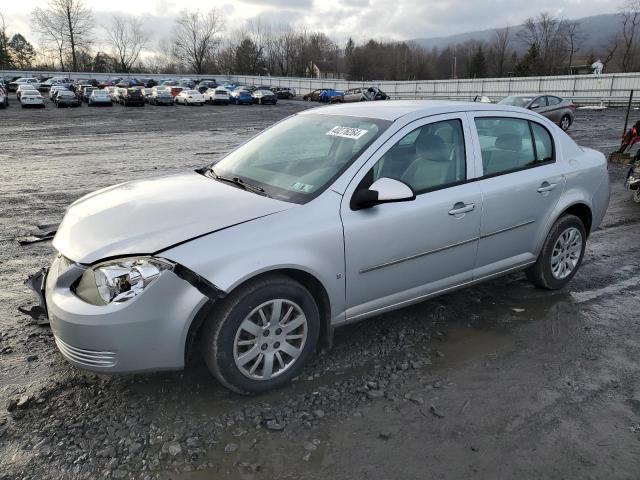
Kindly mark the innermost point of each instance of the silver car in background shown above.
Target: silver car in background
(556, 109)
(330, 216)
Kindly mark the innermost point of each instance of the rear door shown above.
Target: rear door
(554, 108)
(521, 184)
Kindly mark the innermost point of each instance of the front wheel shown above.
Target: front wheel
(565, 122)
(261, 335)
(561, 254)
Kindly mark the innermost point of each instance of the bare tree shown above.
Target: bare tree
(52, 34)
(547, 32)
(610, 50)
(196, 38)
(630, 18)
(573, 38)
(67, 24)
(500, 48)
(127, 39)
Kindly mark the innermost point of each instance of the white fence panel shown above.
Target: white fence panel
(612, 89)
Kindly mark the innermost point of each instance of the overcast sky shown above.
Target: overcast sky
(361, 19)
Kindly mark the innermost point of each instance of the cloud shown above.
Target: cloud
(289, 4)
(340, 19)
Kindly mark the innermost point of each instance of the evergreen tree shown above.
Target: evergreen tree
(21, 52)
(530, 63)
(478, 68)
(248, 58)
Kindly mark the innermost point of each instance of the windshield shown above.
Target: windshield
(298, 158)
(516, 101)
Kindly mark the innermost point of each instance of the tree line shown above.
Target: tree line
(67, 38)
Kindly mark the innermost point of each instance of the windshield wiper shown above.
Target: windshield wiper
(241, 183)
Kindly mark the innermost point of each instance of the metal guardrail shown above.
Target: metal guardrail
(610, 89)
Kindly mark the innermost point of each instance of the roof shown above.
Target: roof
(394, 109)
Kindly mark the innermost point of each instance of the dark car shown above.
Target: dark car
(130, 82)
(284, 93)
(313, 96)
(66, 98)
(148, 82)
(161, 97)
(132, 97)
(205, 85)
(264, 97)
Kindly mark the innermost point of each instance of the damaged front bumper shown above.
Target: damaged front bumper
(148, 332)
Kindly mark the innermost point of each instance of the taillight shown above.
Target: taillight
(572, 106)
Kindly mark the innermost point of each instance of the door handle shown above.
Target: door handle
(546, 187)
(460, 208)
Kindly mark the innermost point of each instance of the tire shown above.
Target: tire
(223, 329)
(565, 122)
(541, 273)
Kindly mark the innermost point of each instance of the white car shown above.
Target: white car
(31, 98)
(190, 97)
(13, 86)
(217, 96)
(25, 87)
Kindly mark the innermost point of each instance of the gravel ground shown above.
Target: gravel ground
(497, 381)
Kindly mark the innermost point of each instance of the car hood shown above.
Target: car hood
(148, 216)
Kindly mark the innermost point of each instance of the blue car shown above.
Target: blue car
(241, 97)
(331, 96)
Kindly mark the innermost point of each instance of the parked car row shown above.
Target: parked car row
(358, 94)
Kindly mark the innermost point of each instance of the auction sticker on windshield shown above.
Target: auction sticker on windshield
(347, 132)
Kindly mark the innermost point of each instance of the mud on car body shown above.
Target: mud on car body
(328, 217)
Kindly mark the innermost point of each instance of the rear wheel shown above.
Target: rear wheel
(561, 254)
(261, 335)
(565, 122)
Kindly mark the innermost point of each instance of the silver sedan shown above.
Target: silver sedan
(329, 217)
(556, 109)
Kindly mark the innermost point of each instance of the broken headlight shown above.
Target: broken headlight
(119, 280)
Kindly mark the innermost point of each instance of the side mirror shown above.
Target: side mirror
(533, 106)
(383, 190)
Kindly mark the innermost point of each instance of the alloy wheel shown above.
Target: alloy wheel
(566, 253)
(565, 123)
(270, 339)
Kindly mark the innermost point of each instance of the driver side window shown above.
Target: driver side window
(428, 158)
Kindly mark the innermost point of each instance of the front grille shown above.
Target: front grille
(88, 358)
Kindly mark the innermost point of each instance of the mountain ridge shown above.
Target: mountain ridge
(597, 31)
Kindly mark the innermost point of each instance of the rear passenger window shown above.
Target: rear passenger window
(430, 157)
(543, 143)
(505, 144)
(553, 101)
(510, 144)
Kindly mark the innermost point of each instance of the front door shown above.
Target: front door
(397, 253)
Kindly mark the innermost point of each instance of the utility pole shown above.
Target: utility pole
(454, 65)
